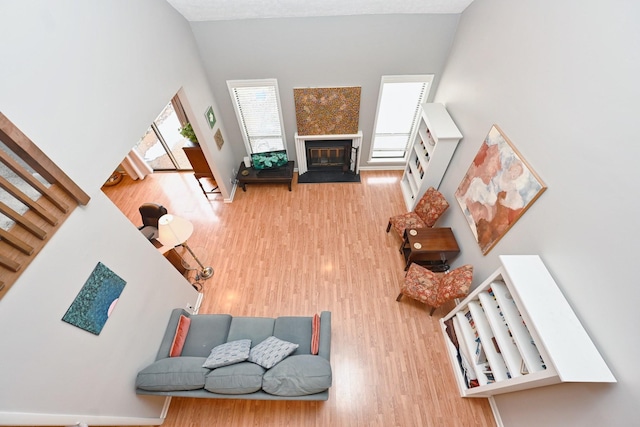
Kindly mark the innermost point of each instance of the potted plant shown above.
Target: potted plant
(187, 132)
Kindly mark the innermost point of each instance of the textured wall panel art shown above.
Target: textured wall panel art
(219, 139)
(497, 189)
(327, 111)
(96, 300)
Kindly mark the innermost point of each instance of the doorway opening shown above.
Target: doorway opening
(161, 145)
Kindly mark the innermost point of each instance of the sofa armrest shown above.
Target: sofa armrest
(324, 349)
(170, 332)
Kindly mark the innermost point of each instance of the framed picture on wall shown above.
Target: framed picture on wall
(497, 189)
(219, 140)
(96, 300)
(211, 118)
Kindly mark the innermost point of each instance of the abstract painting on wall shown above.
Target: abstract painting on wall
(327, 110)
(497, 190)
(96, 300)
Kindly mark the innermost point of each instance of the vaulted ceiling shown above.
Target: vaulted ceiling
(218, 10)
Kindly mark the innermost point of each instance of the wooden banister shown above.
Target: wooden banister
(21, 145)
(23, 241)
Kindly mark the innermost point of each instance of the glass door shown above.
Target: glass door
(161, 146)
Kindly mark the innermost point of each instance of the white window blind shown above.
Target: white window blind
(257, 106)
(398, 114)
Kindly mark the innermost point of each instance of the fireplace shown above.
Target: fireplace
(329, 155)
(328, 152)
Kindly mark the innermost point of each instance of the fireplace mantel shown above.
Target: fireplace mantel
(301, 152)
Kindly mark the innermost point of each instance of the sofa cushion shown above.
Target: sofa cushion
(172, 374)
(296, 330)
(271, 351)
(206, 332)
(241, 378)
(180, 337)
(256, 329)
(298, 376)
(228, 354)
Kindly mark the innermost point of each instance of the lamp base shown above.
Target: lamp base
(206, 272)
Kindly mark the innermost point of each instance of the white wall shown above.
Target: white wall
(561, 80)
(321, 52)
(84, 80)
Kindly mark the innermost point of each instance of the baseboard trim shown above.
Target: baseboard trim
(496, 412)
(22, 418)
(165, 409)
(198, 302)
(382, 168)
(233, 193)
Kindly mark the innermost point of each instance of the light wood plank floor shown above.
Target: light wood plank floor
(319, 247)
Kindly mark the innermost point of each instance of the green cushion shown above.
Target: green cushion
(297, 376)
(172, 374)
(241, 378)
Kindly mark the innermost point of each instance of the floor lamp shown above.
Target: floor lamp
(174, 231)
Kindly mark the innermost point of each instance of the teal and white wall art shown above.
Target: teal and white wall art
(96, 300)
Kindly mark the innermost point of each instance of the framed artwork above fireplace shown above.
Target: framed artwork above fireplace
(327, 111)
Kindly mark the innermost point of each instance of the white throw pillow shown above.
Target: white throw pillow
(271, 351)
(228, 354)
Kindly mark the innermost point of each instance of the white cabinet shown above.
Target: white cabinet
(429, 153)
(517, 331)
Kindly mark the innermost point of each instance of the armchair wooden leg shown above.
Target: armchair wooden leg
(389, 226)
(432, 310)
(399, 297)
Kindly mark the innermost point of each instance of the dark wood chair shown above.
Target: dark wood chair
(200, 168)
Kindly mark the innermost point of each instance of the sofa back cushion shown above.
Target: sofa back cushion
(206, 331)
(256, 329)
(297, 330)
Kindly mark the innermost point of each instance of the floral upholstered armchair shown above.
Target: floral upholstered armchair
(435, 289)
(429, 208)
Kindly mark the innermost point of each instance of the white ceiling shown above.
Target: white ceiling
(217, 10)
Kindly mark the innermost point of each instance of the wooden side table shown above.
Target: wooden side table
(432, 248)
(283, 174)
(172, 256)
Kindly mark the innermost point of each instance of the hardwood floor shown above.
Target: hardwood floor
(319, 247)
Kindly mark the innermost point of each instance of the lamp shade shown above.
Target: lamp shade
(173, 230)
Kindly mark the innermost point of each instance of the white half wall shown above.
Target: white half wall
(561, 80)
(84, 80)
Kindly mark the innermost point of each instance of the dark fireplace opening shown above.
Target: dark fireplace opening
(329, 154)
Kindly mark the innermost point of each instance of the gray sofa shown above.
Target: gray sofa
(300, 376)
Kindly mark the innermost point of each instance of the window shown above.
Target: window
(398, 114)
(257, 106)
(161, 146)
